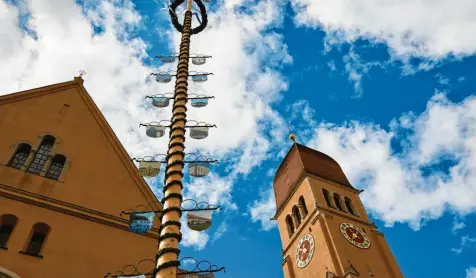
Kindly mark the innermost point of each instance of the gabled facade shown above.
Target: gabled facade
(64, 180)
(324, 228)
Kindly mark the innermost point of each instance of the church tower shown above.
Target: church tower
(324, 228)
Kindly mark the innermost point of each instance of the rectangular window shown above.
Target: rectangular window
(36, 242)
(5, 232)
(19, 160)
(55, 170)
(40, 159)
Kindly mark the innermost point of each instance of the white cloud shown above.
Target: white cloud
(429, 29)
(466, 241)
(442, 80)
(456, 250)
(458, 224)
(357, 69)
(397, 186)
(332, 66)
(213, 189)
(471, 272)
(190, 238)
(445, 129)
(220, 231)
(263, 209)
(61, 41)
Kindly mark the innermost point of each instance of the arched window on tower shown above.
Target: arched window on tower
(7, 224)
(39, 233)
(302, 204)
(350, 206)
(327, 196)
(297, 215)
(21, 154)
(290, 225)
(41, 155)
(57, 165)
(337, 201)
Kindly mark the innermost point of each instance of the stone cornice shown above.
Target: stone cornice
(331, 212)
(69, 209)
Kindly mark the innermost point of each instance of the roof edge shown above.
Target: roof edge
(49, 89)
(282, 161)
(114, 140)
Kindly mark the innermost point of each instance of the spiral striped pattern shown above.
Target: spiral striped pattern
(167, 256)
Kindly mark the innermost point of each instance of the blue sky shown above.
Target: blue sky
(388, 91)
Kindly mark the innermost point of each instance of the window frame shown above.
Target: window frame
(296, 213)
(290, 225)
(350, 207)
(338, 201)
(37, 228)
(42, 154)
(328, 198)
(302, 203)
(18, 150)
(57, 159)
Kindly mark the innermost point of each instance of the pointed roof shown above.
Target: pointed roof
(99, 117)
(301, 160)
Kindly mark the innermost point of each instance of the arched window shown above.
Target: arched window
(42, 154)
(21, 154)
(302, 203)
(290, 225)
(56, 167)
(337, 201)
(38, 235)
(297, 215)
(327, 196)
(350, 207)
(7, 224)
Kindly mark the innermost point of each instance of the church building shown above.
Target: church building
(324, 228)
(64, 180)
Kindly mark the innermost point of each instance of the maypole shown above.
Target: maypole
(166, 263)
(169, 232)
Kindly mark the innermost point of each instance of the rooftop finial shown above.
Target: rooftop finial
(292, 137)
(80, 77)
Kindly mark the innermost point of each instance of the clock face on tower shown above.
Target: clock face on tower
(304, 250)
(354, 235)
